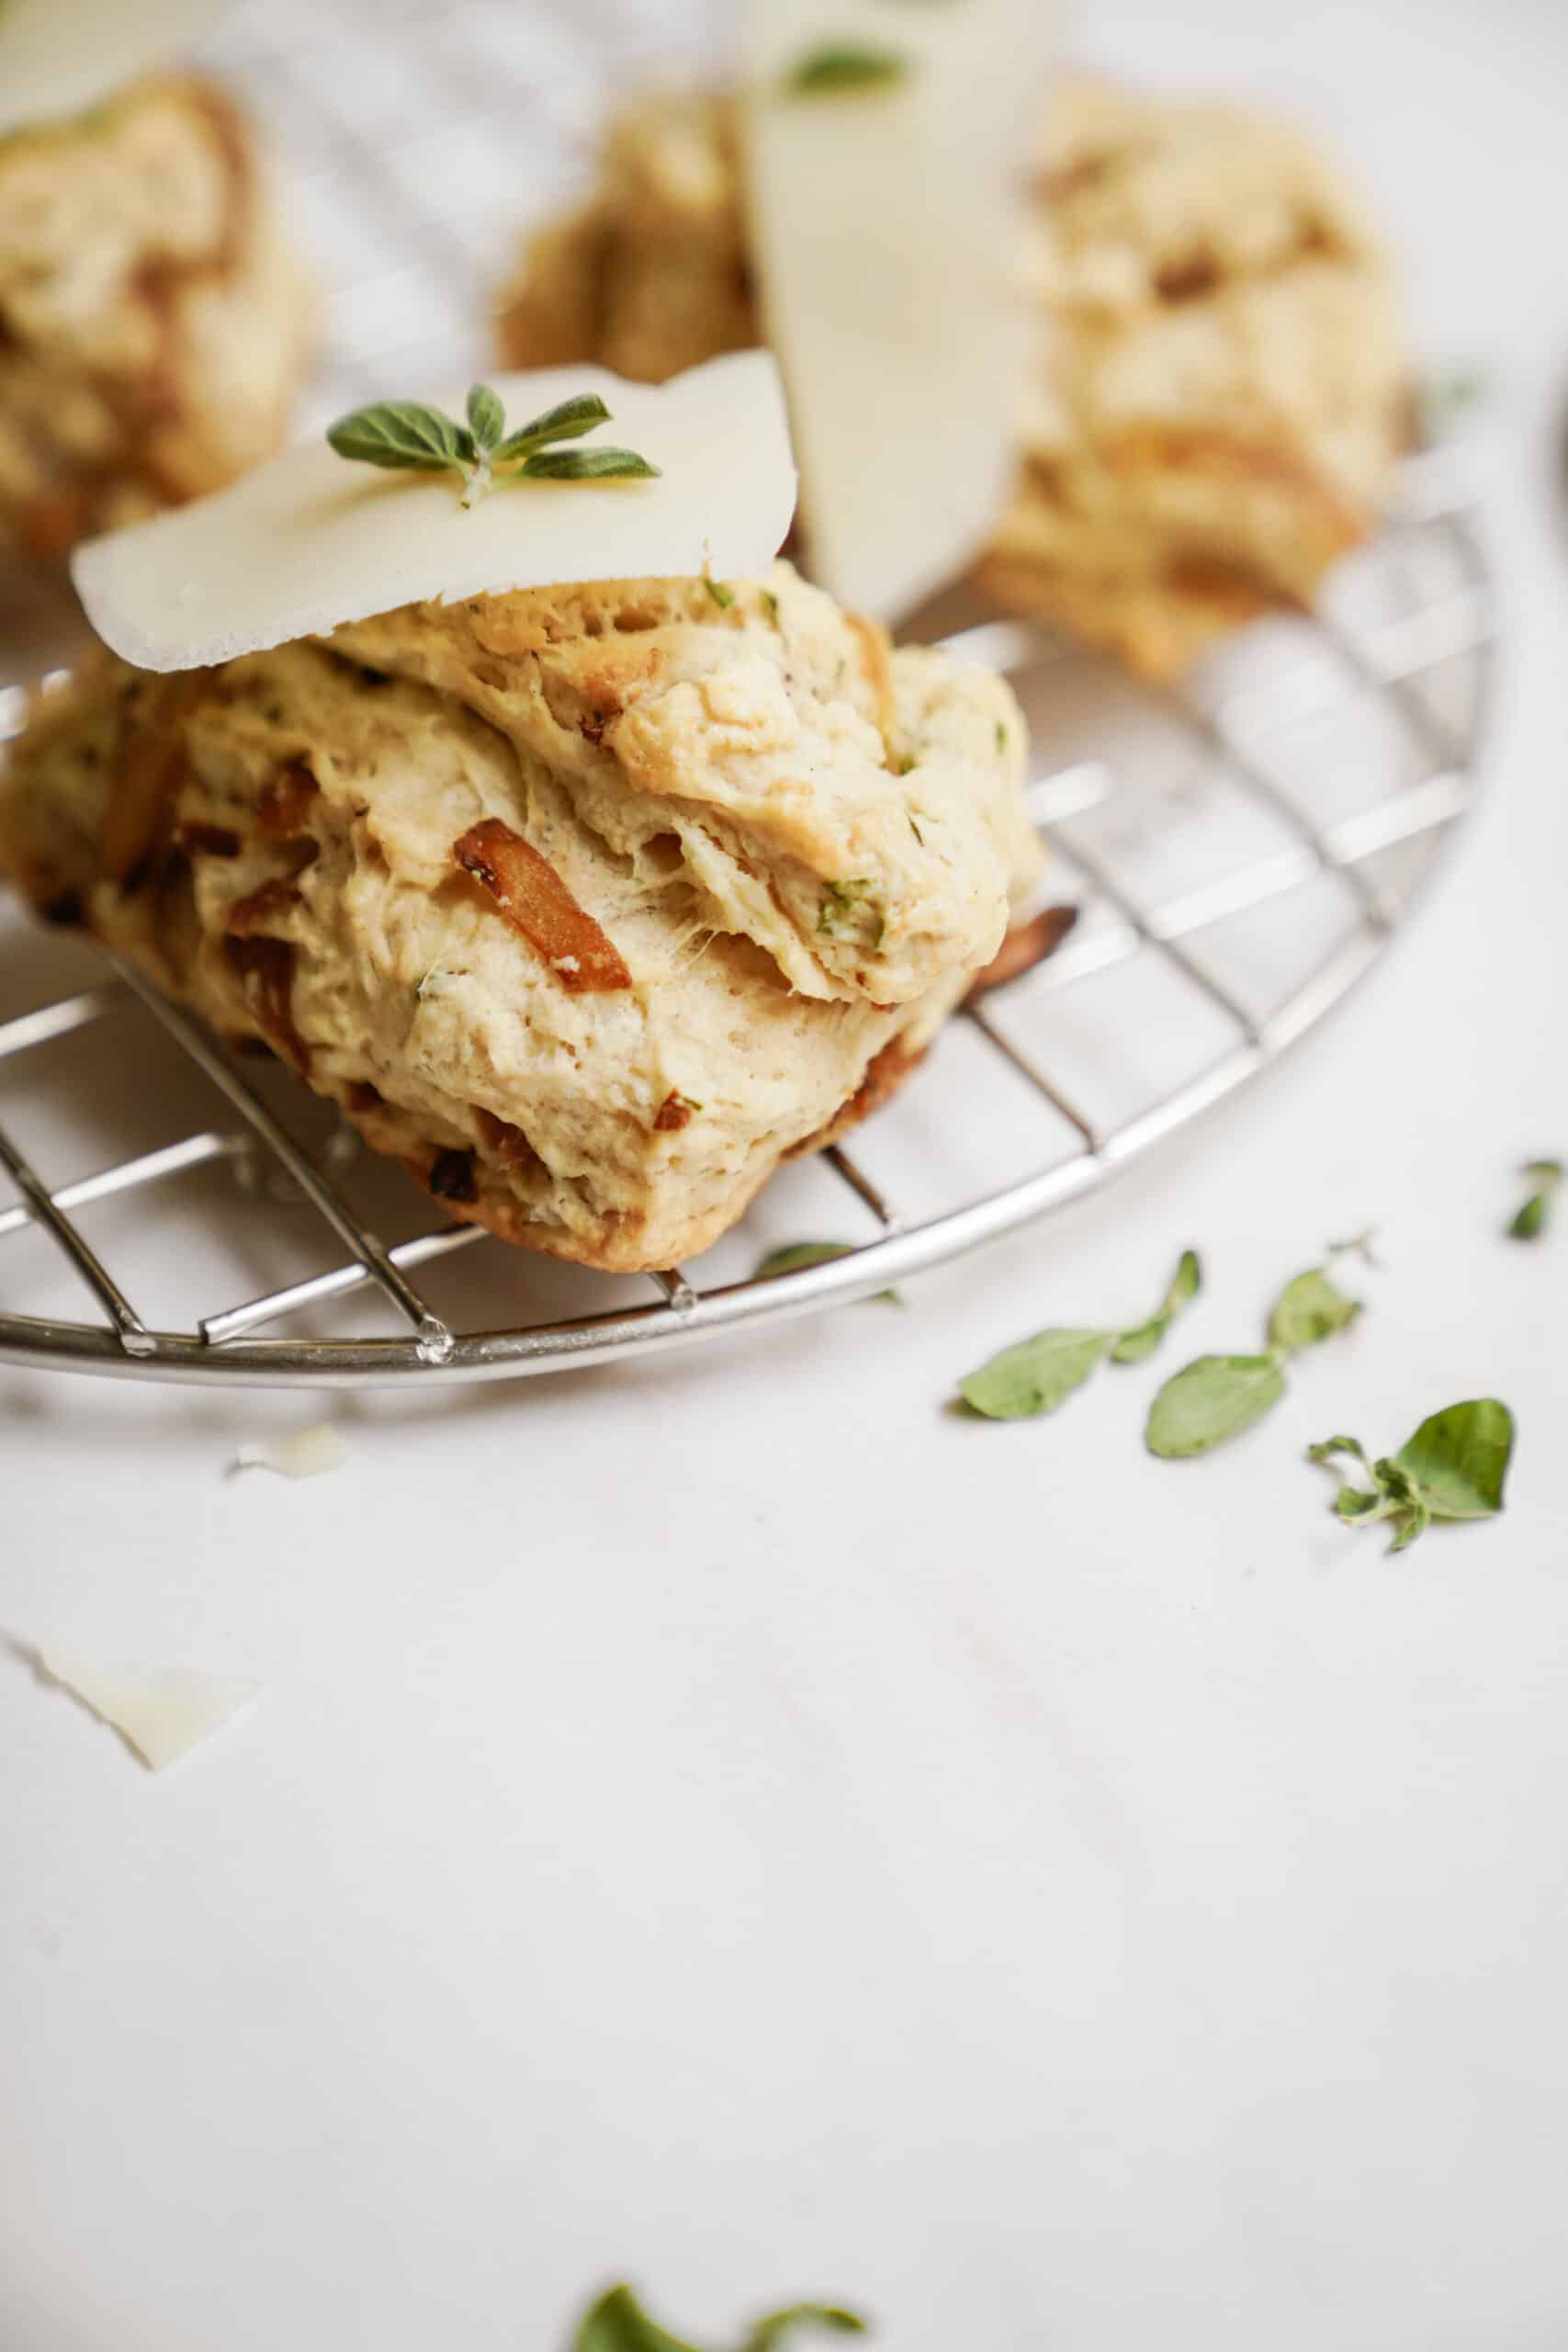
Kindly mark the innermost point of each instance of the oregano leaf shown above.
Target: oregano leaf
(487, 418)
(1308, 1309)
(768, 2334)
(568, 421)
(403, 433)
(839, 69)
(617, 2322)
(1453, 1467)
(585, 465)
(1458, 1459)
(1534, 1214)
(1035, 1376)
(792, 1255)
(1212, 1401)
(1134, 1346)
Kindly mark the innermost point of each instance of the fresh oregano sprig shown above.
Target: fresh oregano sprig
(1217, 1397)
(1533, 1216)
(617, 2322)
(1453, 1467)
(1039, 1374)
(411, 437)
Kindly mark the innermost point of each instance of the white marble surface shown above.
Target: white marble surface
(728, 1823)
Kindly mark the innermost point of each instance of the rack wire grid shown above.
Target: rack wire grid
(1238, 855)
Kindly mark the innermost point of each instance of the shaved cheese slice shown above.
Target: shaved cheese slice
(162, 1711)
(305, 1454)
(312, 539)
(58, 57)
(890, 225)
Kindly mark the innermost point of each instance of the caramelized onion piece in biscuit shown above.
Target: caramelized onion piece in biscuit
(151, 759)
(1023, 947)
(532, 896)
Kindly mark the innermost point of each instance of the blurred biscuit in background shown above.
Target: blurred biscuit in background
(153, 323)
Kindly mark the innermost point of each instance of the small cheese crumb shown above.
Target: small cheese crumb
(162, 1712)
(305, 1454)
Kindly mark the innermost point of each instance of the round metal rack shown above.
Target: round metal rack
(1239, 856)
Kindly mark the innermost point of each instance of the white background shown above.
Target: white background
(728, 1823)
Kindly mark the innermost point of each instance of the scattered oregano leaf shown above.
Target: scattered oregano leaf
(1453, 1467)
(769, 2333)
(1308, 1309)
(1212, 1400)
(1219, 1397)
(411, 437)
(1533, 1216)
(1132, 1346)
(844, 69)
(1039, 1374)
(792, 1255)
(617, 2322)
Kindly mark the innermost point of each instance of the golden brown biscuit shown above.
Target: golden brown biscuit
(1226, 398)
(152, 322)
(591, 904)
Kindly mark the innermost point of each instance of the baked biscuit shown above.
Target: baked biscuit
(1228, 389)
(1226, 394)
(152, 322)
(650, 275)
(590, 904)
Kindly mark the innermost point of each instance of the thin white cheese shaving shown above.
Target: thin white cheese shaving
(305, 1454)
(162, 1711)
(58, 57)
(891, 228)
(312, 540)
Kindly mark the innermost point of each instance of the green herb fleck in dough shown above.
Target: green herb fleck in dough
(839, 903)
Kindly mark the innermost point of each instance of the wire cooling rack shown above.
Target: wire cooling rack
(1239, 856)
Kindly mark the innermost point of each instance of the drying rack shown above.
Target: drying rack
(1240, 856)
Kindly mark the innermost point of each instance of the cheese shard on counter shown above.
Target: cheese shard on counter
(313, 540)
(162, 1711)
(889, 224)
(60, 57)
(303, 1453)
